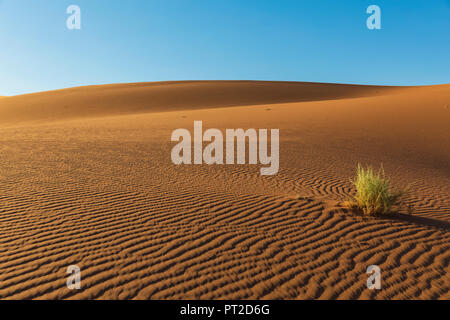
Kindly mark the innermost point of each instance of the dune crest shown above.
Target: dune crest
(119, 99)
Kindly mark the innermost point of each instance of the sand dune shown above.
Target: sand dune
(86, 179)
(133, 98)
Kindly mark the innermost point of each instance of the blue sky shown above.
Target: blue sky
(156, 40)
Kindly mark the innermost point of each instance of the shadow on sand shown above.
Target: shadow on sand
(429, 222)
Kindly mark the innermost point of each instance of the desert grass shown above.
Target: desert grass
(374, 193)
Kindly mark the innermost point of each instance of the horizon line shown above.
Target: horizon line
(216, 80)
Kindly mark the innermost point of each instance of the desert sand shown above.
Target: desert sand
(87, 180)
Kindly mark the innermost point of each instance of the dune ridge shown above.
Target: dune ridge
(95, 187)
(119, 99)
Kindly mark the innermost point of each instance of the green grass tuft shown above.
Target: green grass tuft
(374, 194)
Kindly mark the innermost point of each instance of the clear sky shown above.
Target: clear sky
(155, 40)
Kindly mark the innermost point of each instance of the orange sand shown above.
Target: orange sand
(86, 179)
